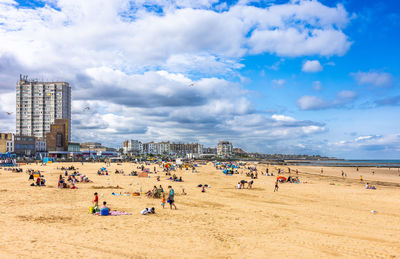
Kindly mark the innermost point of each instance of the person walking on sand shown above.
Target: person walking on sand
(171, 196)
(276, 186)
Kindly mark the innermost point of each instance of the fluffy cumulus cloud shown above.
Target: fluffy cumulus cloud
(156, 69)
(311, 66)
(375, 144)
(375, 79)
(342, 99)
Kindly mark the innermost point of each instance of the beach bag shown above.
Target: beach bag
(91, 210)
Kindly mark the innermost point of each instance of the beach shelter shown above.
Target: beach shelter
(281, 178)
(48, 160)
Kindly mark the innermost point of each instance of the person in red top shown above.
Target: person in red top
(96, 200)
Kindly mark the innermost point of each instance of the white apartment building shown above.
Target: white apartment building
(40, 145)
(133, 146)
(39, 104)
(163, 148)
(225, 149)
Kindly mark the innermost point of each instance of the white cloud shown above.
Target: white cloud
(346, 94)
(378, 79)
(317, 86)
(279, 82)
(311, 103)
(316, 103)
(279, 117)
(311, 66)
(388, 144)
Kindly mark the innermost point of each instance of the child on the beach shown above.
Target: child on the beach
(96, 200)
(276, 186)
(163, 200)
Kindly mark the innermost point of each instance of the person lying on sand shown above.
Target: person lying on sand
(147, 211)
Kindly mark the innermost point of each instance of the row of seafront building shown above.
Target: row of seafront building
(194, 150)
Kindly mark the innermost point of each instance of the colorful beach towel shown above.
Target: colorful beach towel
(114, 213)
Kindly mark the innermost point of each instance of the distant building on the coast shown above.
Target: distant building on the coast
(239, 152)
(162, 148)
(186, 149)
(6, 142)
(74, 147)
(95, 148)
(210, 151)
(24, 145)
(57, 138)
(39, 104)
(224, 149)
(133, 146)
(149, 148)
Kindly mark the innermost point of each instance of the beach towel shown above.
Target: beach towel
(114, 213)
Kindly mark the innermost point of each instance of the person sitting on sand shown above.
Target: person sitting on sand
(239, 185)
(203, 189)
(73, 186)
(104, 211)
(183, 192)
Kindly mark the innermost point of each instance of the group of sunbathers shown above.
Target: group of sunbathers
(155, 193)
(367, 186)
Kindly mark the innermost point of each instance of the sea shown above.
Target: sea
(350, 163)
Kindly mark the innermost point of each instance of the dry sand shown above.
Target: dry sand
(326, 217)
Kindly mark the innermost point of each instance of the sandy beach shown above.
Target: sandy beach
(324, 216)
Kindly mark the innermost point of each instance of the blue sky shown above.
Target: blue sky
(313, 77)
